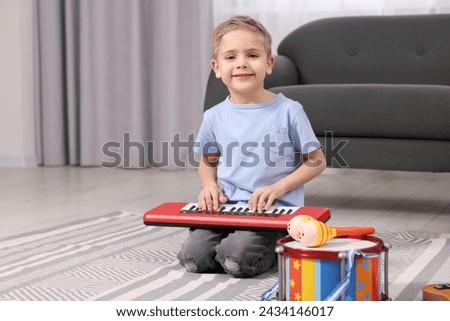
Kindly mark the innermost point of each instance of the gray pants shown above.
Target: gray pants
(239, 253)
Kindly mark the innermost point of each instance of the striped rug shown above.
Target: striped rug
(116, 257)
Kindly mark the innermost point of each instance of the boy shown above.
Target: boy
(249, 148)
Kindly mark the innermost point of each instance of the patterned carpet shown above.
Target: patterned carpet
(117, 257)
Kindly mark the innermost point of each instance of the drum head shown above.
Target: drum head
(334, 245)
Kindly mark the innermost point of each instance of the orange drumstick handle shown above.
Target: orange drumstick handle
(353, 230)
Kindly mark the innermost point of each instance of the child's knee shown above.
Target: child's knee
(190, 265)
(243, 257)
(234, 260)
(195, 261)
(198, 252)
(238, 264)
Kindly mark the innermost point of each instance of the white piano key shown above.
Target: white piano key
(242, 208)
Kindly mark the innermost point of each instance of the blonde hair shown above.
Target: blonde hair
(240, 22)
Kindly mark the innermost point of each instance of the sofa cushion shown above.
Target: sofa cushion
(383, 111)
(411, 49)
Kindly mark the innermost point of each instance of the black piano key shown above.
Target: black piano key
(190, 210)
(289, 211)
(235, 210)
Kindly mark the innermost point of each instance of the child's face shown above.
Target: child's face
(242, 63)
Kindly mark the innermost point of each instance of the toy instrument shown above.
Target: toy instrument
(236, 216)
(324, 273)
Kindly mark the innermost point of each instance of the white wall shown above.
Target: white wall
(17, 125)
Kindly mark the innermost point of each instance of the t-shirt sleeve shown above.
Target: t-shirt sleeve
(205, 142)
(302, 134)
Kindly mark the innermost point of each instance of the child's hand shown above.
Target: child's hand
(264, 195)
(209, 198)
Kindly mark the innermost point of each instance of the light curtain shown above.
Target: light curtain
(283, 16)
(119, 76)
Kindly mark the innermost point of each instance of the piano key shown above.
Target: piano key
(233, 209)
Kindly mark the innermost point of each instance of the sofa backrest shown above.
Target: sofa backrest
(411, 49)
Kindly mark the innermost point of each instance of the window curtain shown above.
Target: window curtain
(283, 16)
(118, 81)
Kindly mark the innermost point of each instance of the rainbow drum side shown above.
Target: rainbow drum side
(311, 274)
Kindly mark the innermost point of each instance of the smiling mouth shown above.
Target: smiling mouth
(243, 76)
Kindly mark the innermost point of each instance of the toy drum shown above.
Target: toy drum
(315, 273)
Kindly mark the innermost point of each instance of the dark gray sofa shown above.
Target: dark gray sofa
(375, 88)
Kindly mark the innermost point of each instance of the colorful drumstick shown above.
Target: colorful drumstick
(313, 233)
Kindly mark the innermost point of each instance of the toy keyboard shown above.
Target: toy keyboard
(236, 216)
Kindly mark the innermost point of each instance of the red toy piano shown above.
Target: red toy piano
(236, 216)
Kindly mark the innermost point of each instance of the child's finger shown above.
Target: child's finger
(215, 202)
(201, 201)
(261, 201)
(222, 198)
(253, 202)
(269, 202)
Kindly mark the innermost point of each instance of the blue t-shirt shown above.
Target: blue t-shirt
(258, 144)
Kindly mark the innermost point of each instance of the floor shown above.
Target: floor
(42, 197)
